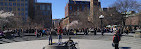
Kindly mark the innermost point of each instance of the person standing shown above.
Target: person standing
(95, 30)
(116, 40)
(50, 38)
(60, 31)
(103, 31)
(85, 31)
(74, 31)
(1, 33)
(19, 32)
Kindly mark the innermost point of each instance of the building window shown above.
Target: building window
(70, 7)
(14, 9)
(42, 7)
(18, 0)
(83, 7)
(1, 0)
(26, 14)
(1, 3)
(10, 9)
(43, 13)
(22, 14)
(77, 8)
(19, 14)
(6, 4)
(14, 4)
(18, 9)
(26, 9)
(88, 6)
(18, 4)
(48, 7)
(95, 3)
(25, 0)
(12, 0)
(22, 0)
(26, 4)
(6, 0)
(22, 4)
(10, 4)
(22, 9)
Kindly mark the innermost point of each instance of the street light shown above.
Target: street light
(101, 17)
(124, 16)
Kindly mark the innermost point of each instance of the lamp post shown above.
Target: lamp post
(101, 17)
(124, 16)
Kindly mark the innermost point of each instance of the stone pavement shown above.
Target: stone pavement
(85, 42)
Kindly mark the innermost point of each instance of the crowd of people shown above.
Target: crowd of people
(118, 31)
(46, 31)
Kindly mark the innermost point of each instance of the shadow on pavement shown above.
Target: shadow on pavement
(125, 47)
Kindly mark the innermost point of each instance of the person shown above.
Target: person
(44, 32)
(69, 42)
(19, 32)
(60, 31)
(36, 32)
(85, 31)
(1, 33)
(74, 31)
(50, 38)
(127, 31)
(116, 40)
(103, 31)
(95, 30)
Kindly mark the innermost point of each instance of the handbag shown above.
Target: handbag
(113, 44)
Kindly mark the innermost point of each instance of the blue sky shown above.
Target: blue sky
(58, 6)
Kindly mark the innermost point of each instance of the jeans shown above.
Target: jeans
(50, 40)
(116, 46)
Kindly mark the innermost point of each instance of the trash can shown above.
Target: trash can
(138, 33)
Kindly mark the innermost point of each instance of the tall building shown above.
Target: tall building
(43, 14)
(95, 7)
(19, 7)
(76, 6)
(31, 8)
(73, 8)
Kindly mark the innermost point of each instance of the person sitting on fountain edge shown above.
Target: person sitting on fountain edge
(69, 42)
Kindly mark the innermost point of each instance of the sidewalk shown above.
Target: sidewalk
(83, 44)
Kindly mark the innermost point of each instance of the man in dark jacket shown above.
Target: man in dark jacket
(116, 40)
(95, 30)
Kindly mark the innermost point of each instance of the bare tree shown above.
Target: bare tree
(112, 17)
(81, 17)
(127, 5)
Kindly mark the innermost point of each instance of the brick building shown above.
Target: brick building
(134, 20)
(73, 8)
(55, 22)
(95, 7)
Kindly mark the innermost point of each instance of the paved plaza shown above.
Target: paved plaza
(84, 42)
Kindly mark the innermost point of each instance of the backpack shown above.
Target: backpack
(116, 39)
